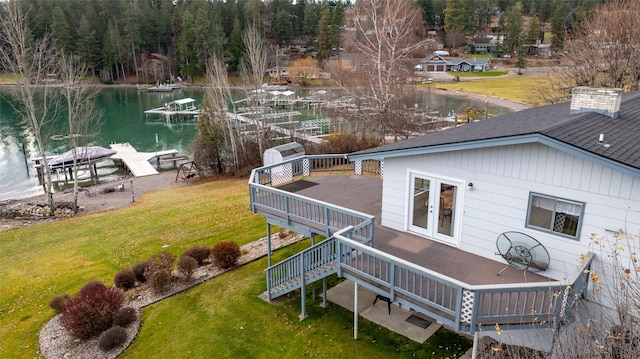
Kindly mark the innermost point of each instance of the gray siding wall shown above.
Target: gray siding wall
(502, 179)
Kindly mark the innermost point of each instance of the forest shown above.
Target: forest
(112, 36)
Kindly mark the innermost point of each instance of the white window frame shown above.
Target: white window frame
(557, 203)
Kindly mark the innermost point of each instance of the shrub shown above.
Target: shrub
(158, 273)
(112, 338)
(92, 284)
(124, 317)
(125, 279)
(91, 311)
(226, 254)
(139, 270)
(58, 303)
(186, 265)
(199, 253)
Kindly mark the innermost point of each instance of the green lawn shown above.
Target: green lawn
(517, 88)
(222, 317)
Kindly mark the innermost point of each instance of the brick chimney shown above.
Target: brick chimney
(601, 100)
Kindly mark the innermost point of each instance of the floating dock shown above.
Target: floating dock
(183, 107)
(138, 162)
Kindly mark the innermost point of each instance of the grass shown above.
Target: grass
(479, 74)
(222, 316)
(517, 88)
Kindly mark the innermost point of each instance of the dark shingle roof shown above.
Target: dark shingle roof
(580, 131)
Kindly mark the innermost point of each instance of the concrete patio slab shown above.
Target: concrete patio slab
(342, 295)
(394, 319)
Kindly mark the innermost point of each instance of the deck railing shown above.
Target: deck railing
(462, 306)
(303, 214)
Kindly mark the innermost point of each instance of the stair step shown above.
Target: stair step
(313, 275)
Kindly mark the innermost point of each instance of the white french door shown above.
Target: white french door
(433, 204)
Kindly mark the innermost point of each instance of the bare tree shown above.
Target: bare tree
(386, 34)
(226, 145)
(252, 70)
(30, 62)
(602, 51)
(83, 115)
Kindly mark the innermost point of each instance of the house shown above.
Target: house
(556, 173)
(439, 63)
(577, 163)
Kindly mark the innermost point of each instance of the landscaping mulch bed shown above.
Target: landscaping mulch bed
(56, 343)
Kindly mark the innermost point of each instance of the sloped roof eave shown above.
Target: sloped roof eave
(501, 141)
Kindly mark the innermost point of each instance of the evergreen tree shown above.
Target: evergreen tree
(428, 13)
(281, 29)
(235, 46)
(521, 61)
(324, 32)
(558, 26)
(454, 20)
(310, 27)
(60, 30)
(514, 27)
(337, 22)
(545, 10)
(534, 31)
(89, 40)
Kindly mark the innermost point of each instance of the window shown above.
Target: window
(555, 215)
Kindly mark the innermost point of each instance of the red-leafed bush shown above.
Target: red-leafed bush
(92, 284)
(91, 311)
(226, 254)
(125, 316)
(58, 303)
(199, 253)
(159, 271)
(125, 279)
(112, 338)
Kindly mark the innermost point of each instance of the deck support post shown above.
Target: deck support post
(268, 244)
(355, 310)
(303, 289)
(474, 351)
(324, 292)
(313, 285)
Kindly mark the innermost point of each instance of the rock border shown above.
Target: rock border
(55, 342)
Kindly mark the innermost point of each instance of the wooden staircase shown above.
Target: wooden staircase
(312, 264)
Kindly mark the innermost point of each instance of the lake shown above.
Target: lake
(123, 121)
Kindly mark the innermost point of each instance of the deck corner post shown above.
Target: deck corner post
(268, 244)
(303, 290)
(474, 351)
(355, 310)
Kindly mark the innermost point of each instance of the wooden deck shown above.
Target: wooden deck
(442, 258)
(138, 162)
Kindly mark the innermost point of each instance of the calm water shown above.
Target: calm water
(124, 121)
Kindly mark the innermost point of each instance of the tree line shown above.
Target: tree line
(109, 35)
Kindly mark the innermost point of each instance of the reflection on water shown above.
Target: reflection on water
(124, 121)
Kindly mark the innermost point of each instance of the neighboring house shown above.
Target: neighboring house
(438, 63)
(556, 173)
(463, 64)
(153, 67)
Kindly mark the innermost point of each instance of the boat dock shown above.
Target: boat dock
(138, 162)
(183, 107)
